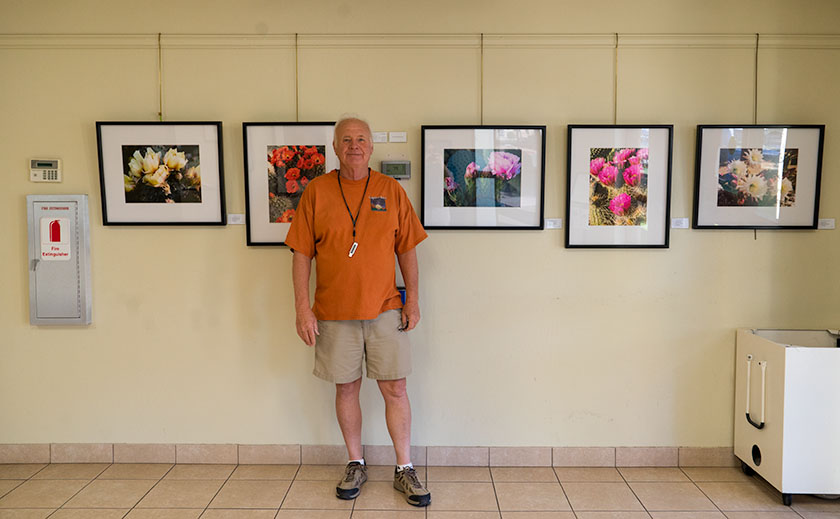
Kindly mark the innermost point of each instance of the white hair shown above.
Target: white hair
(350, 117)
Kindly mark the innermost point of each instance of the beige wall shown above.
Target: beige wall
(522, 342)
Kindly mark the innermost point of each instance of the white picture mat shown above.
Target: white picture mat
(206, 137)
(657, 141)
(801, 213)
(259, 138)
(529, 141)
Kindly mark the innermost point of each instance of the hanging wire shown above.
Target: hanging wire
(297, 101)
(481, 82)
(615, 81)
(755, 102)
(160, 80)
(755, 83)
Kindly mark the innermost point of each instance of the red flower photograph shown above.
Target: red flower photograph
(290, 169)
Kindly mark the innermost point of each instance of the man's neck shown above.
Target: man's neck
(353, 174)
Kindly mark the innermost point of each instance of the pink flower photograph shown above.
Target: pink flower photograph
(623, 199)
(618, 186)
(482, 178)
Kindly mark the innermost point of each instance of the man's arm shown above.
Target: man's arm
(305, 320)
(411, 308)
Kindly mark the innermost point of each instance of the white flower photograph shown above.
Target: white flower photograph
(162, 174)
(757, 176)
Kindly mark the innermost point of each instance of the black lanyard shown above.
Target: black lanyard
(359, 210)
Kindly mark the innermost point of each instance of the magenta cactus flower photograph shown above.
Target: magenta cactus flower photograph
(623, 199)
(482, 178)
(618, 190)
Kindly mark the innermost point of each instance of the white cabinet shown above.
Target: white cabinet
(787, 409)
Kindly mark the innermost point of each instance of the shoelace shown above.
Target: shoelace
(411, 476)
(350, 472)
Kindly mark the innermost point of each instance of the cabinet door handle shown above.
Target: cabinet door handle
(763, 365)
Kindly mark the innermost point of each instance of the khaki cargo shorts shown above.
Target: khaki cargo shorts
(342, 346)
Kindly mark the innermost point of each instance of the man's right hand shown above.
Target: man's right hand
(307, 326)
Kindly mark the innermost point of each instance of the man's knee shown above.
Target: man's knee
(392, 388)
(349, 389)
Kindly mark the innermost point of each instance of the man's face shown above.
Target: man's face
(353, 144)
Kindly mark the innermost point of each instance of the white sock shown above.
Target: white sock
(361, 461)
(403, 467)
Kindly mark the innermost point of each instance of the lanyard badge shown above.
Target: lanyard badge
(358, 211)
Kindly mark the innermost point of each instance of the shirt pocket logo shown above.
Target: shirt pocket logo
(377, 203)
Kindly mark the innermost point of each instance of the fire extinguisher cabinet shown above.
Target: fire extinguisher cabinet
(787, 409)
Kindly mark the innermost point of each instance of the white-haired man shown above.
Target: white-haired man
(354, 220)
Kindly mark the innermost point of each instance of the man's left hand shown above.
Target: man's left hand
(410, 315)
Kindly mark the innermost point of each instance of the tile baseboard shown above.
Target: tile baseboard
(583, 456)
(708, 457)
(25, 453)
(216, 453)
(646, 456)
(269, 454)
(144, 453)
(376, 454)
(81, 453)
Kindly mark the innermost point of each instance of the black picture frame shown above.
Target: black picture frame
(503, 153)
(764, 176)
(177, 180)
(618, 185)
(268, 223)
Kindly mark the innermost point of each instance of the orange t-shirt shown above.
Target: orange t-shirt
(364, 286)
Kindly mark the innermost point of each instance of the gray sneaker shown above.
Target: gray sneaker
(406, 481)
(355, 475)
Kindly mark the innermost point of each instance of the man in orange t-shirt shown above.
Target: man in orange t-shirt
(353, 221)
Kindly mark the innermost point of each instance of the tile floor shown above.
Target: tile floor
(165, 491)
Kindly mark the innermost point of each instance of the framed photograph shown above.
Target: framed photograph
(161, 173)
(757, 177)
(483, 177)
(280, 160)
(618, 191)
